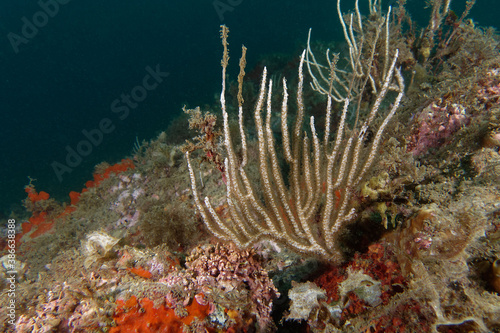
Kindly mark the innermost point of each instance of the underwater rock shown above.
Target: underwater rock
(304, 298)
(97, 246)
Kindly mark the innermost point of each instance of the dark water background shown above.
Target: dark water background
(63, 79)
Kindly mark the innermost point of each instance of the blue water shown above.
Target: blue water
(64, 74)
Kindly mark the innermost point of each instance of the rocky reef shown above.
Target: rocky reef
(130, 251)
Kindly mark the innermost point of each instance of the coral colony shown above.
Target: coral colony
(358, 194)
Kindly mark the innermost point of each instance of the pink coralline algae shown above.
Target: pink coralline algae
(489, 92)
(435, 124)
(231, 270)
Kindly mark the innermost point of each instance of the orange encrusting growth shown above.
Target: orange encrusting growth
(117, 168)
(141, 272)
(141, 316)
(39, 223)
(34, 196)
(42, 223)
(74, 197)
